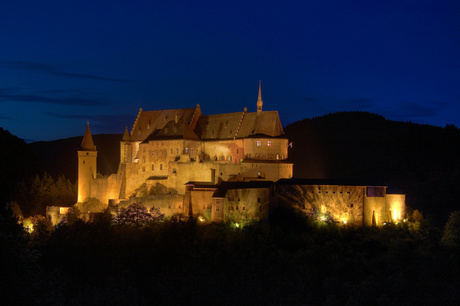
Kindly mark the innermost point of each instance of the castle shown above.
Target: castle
(225, 167)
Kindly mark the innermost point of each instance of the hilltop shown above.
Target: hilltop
(418, 160)
(60, 156)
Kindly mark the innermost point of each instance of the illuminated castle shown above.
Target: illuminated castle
(224, 166)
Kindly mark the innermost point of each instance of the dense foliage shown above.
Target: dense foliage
(17, 162)
(138, 215)
(291, 260)
(34, 194)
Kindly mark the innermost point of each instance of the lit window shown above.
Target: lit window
(269, 143)
(186, 150)
(259, 143)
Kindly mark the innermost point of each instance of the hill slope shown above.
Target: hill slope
(17, 162)
(60, 156)
(419, 160)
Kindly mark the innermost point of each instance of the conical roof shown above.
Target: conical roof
(126, 136)
(87, 144)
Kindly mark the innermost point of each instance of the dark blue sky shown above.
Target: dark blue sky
(65, 62)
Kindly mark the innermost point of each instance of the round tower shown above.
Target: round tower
(87, 165)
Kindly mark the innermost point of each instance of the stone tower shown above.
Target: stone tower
(259, 100)
(87, 165)
(125, 148)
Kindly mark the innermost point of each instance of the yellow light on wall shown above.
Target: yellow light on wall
(396, 215)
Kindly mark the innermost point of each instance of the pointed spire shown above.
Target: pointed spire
(126, 135)
(87, 144)
(259, 100)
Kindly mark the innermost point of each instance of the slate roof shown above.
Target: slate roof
(87, 143)
(149, 121)
(239, 125)
(173, 130)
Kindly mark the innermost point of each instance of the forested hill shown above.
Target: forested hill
(17, 161)
(60, 156)
(419, 160)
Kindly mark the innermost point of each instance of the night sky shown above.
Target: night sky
(65, 62)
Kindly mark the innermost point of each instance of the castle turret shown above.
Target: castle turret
(259, 100)
(87, 165)
(125, 148)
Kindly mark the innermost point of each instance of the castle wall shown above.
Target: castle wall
(217, 210)
(375, 212)
(105, 188)
(246, 204)
(201, 201)
(266, 148)
(55, 214)
(396, 206)
(267, 171)
(231, 150)
(344, 203)
(168, 205)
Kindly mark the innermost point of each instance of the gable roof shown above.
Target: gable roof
(239, 125)
(149, 121)
(173, 130)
